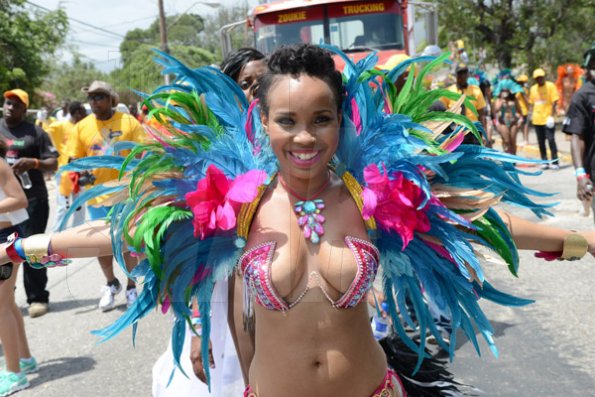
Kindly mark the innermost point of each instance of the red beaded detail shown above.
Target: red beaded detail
(367, 258)
(255, 265)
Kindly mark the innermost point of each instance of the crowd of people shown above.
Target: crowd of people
(281, 157)
(509, 104)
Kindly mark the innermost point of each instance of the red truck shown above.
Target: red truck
(356, 27)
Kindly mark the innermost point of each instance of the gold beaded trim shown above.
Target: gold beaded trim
(248, 210)
(356, 193)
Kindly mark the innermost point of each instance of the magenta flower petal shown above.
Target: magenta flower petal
(226, 217)
(217, 200)
(244, 188)
(370, 202)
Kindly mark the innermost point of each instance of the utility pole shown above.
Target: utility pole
(163, 33)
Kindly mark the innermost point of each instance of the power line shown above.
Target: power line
(93, 44)
(78, 21)
(76, 29)
(131, 21)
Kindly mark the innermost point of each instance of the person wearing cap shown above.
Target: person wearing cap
(457, 52)
(463, 57)
(473, 92)
(543, 97)
(96, 135)
(31, 152)
(580, 123)
(523, 99)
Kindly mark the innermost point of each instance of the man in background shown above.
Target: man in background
(580, 123)
(30, 152)
(543, 97)
(472, 92)
(96, 135)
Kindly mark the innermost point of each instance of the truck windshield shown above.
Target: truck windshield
(350, 26)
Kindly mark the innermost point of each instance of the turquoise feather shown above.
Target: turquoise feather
(180, 267)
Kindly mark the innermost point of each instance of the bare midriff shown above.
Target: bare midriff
(4, 225)
(307, 351)
(313, 349)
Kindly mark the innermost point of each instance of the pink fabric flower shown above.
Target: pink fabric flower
(394, 203)
(217, 200)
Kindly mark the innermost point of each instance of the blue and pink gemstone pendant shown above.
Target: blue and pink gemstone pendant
(310, 219)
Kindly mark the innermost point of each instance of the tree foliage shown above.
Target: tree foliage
(139, 72)
(27, 38)
(532, 32)
(66, 80)
(181, 30)
(142, 74)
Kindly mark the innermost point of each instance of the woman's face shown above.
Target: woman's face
(303, 125)
(249, 75)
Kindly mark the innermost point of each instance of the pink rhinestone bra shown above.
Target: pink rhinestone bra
(255, 265)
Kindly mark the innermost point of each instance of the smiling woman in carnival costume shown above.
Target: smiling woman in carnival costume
(302, 196)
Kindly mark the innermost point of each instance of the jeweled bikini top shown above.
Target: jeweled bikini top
(255, 265)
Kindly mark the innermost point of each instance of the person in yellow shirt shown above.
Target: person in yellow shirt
(60, 132)
(96, 135)
(543, 97)
(473, 92)
(523, 98)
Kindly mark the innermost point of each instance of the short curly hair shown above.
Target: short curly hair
(233, 64)
(301, 59)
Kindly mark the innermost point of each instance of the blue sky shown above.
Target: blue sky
(117, 16)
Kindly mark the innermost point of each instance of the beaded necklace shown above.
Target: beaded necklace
(309, 211)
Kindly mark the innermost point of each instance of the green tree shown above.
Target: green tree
(139, 72)
(520, 31)
(66, 79)
(27, 38)
(182, 30)
(142, 74)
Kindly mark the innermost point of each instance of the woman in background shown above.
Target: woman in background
(19, 361)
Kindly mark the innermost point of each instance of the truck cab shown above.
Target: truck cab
(356, 27)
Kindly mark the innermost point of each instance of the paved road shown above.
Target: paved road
(72, 362)
(546, 349)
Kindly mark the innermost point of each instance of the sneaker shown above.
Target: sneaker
(108, 292)
(38, 309)
(28, 365)
(131, 296)
(545, 166)
(555, 167)
(12, 383)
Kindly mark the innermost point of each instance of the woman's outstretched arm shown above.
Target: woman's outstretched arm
(537, 237)
(86, 241)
